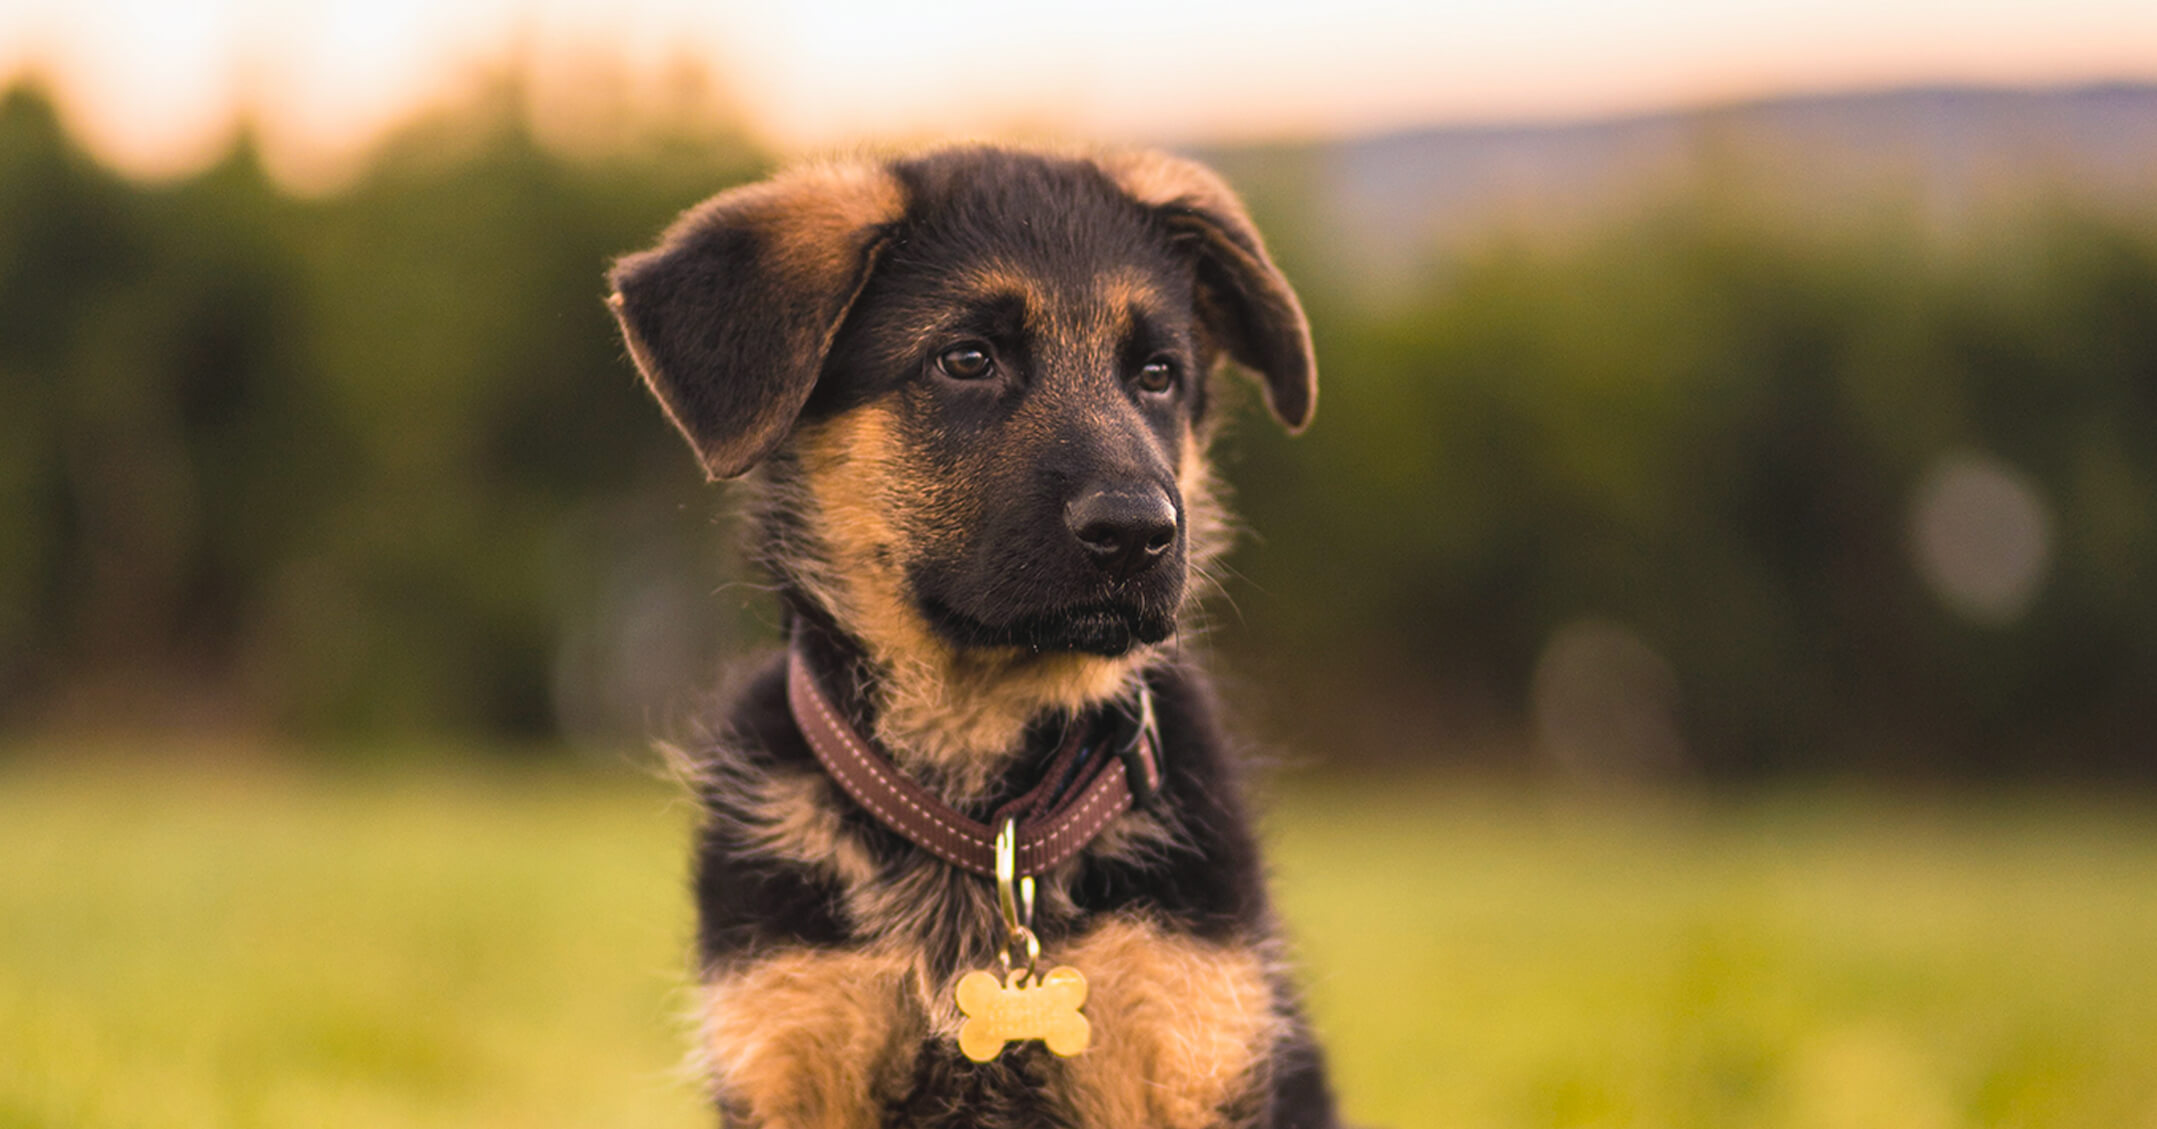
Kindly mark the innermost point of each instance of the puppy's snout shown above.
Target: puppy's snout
(1125, 530)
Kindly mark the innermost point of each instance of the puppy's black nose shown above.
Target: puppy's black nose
(1126, 530)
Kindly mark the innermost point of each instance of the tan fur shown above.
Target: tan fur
(795, 815)
(811, 1039)
(1159, 179)
(1207, 530)
(815, 215)
(1125, 290)
(1180, 1027)
(992, 278)
(819, 1039)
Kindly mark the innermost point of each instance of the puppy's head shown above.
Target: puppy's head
(978, 380)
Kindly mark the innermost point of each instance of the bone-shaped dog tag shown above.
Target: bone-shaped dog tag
(1000, 1011)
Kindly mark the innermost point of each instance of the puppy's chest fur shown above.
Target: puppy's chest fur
(831, 947)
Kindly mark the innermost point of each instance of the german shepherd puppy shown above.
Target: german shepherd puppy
(975, 384)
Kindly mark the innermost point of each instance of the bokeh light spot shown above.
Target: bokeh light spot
(1981, 536)
(1605, 705)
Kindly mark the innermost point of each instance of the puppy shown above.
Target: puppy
(975, 385)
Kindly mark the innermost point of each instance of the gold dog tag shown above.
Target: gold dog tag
(1020, 1005)
(1013, 1010)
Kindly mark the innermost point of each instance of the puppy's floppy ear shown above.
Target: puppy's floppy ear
(1242, 297)
(730, 317)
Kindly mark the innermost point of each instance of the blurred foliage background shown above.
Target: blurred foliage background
(1722, 482)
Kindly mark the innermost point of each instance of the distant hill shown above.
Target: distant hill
(1391, 202)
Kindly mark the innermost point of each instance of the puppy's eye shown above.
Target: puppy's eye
(966, 362)
(1156, 376)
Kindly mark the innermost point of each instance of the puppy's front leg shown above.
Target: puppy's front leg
(810, 1039)
(1183, 1030)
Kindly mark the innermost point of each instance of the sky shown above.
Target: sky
(156, 86)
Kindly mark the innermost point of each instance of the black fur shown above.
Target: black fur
(730, 339)
(1079, 288)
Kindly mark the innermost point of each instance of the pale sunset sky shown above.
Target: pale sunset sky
(157, 85)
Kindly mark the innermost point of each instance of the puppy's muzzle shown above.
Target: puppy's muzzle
(1125, 530)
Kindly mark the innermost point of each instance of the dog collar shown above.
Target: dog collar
(1054, 820)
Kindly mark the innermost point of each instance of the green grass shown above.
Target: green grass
(493, 946)
(1808, 962)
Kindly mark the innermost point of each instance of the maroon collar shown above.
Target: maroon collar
(1054, 822)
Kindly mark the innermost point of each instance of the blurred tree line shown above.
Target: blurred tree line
(343, 465)
(1657, 499)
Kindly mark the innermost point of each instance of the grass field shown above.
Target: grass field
(500, 946)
